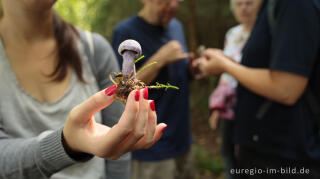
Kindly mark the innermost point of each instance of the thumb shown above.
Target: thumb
(95, 103)
(185, 55)
(158, 133)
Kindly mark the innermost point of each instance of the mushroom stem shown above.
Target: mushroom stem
(128, 66)
(130, 51)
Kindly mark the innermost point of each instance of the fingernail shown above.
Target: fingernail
(145, 93)
(137, 95)
(110, 91)
(164, 129)
(152, 106)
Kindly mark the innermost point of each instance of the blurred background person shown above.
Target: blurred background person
(162, 39)
(222, 100)
(277, 111)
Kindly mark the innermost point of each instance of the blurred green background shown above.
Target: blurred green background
(205, 23)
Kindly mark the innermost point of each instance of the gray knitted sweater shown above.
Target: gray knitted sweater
(30, 130)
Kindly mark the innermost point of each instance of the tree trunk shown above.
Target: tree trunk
(192, 26)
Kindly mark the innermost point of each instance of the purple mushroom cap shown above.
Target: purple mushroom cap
(130, 51)
(130, 45)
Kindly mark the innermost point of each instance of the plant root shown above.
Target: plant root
(125, 85)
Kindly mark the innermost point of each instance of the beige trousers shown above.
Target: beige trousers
(180, 167)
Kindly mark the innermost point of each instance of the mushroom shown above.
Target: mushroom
(130, 50)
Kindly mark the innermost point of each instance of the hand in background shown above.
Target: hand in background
(136, 129)
(214, 119)
(193, 67)
(212, 62)
(170, 53)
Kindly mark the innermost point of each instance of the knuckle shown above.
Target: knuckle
(126, 130)
(138, 134)
(148, 144)
(143, 111)
(73, 115)
(132, 109)
(95, 100)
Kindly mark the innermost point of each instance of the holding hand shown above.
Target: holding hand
(170, 53)
(136, 129)
(212, 62)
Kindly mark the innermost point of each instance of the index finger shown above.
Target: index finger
(95, 103)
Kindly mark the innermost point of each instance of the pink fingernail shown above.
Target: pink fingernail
(111, 90)
(145, 93)
(152, 106)
(137, 96)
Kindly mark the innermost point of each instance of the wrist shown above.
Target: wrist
(225, 65)
(75, 155)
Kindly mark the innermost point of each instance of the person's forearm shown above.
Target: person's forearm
(150, 73)
(267, 83)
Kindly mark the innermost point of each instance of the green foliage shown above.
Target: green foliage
(137, 60)
(166, 87)
(212, 17)
(145, 67)
(79, 13)
(99, 16)
(205, 163)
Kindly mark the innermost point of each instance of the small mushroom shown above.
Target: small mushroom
(130, 50)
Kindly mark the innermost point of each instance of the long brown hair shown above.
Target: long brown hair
(68, 56)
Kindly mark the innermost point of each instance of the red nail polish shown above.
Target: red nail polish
(137, 95)
(164, 129)
(111, 90)
(152, 106)
(145, 93)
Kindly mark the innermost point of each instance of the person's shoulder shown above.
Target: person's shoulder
(234, 30)
(100, 41)
(97, 39)
(237, 28)
(175, 23)
(126, 23)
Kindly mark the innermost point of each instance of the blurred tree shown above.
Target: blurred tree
(97, 15)
(205, 21)
(192, 25)
(210, 18)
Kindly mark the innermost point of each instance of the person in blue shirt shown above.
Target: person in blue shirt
(162, 40)
(279, 63)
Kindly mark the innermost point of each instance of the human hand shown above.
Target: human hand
(214, 119)
(136, 129)
(194, 69)
(170, 53)
(212, 62)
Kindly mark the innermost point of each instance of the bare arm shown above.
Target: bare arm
(283, 87)
(167, 54)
